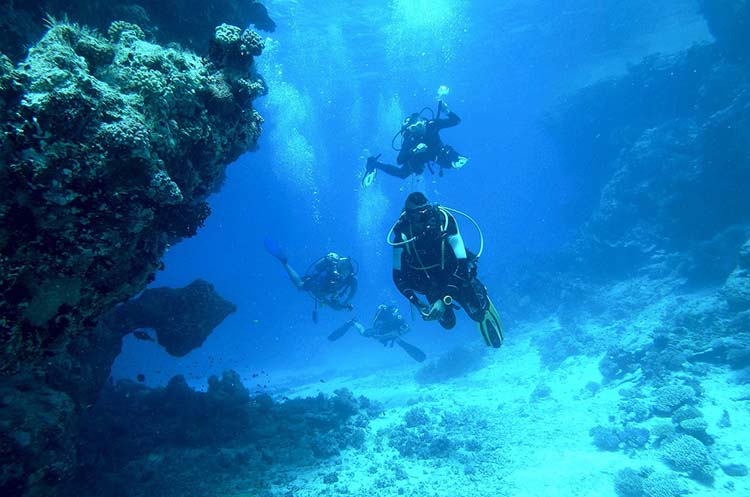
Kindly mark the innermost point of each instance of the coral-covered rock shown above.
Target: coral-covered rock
(37, 447)
(111, 147)
(669, 398)
(223, 431)
(187, 22)
(689, 455)
(736, 289)
(728, 21)
(182, 317)
(660, 156)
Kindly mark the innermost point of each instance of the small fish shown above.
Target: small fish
(322, 380)
(255, 322)
(140, 377)
(142, 335)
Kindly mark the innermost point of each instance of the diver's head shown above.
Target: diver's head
(417, 209)
(415, 125)
(340, 266)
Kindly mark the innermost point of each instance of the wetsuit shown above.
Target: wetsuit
(413, 161)
(436, 264)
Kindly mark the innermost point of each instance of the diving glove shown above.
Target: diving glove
(490, 327)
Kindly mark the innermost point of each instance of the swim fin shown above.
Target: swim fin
(370, 171)
(491, 327)
(460, 162)
(274, 249)
(413, 351)
(340, 331)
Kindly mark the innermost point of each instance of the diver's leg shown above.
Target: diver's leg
(474, 299)
(448, 321)
(402, 172)
(472, 296)
(450, 159)
(294, 276)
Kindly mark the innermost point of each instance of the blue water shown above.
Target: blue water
(341, 77)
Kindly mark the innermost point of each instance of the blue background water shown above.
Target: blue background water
(341, 77)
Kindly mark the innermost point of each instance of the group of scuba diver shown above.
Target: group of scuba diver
(432, 268)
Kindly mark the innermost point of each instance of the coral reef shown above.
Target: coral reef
(613, 438)
(660, 155)
(434, 435)
(223, 431)
(112, 145)
(647, 483)
(687, 454)
(187, 22)
(182, 317)
(669, 398)
(728, 21)
(37, 428)
(736, 289)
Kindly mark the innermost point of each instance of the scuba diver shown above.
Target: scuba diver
(429, 257)
(331, 280)
(387, 327)
(421, 147)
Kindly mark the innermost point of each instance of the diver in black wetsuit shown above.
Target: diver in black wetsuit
(387, 328)
(331, 280)
(430, 258)
(421, 147)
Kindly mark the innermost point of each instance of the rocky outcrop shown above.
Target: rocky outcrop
(182, 317)
(736, 289)
(187, 22)
(110, 147)
(729, 21)
(37, 437)
(176, 441)
(662, 154)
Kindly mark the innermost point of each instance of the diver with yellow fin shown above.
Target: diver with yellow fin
(430, 258)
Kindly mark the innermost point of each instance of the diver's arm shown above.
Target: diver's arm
(294, 276)
(462, 261)
(399, 278)
(457, 244)
(404, 154)
(450, 120)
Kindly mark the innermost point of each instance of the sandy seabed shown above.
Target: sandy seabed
(523, 444)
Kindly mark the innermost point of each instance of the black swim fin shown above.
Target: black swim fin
(413, 351)
(340, 331)
(274, 249)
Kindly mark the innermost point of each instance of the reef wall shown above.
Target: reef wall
(661, 157)
(190, 23)
(110, 147)
(111, 143)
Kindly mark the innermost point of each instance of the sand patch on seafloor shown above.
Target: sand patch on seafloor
(531, 445)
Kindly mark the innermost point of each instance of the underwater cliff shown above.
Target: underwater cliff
(111, 145)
